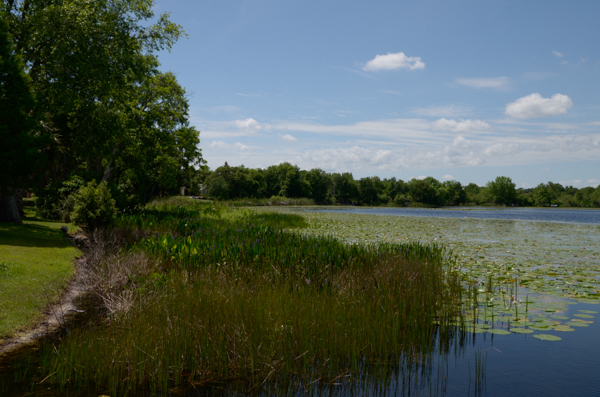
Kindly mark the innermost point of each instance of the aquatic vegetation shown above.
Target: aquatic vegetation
(526, 273)
(247, 296)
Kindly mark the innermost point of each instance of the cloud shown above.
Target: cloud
(460, 126)
(558, 54)
(353, 158)
(241, 146)
(392, 92)
(394, 61)
(223, 145)
(444, 111)
(248, 124)
(288, 138)
(535, 105)
(448, 176)
(219, 145)
(490, 82)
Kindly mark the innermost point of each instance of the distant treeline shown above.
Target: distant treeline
(287, 180)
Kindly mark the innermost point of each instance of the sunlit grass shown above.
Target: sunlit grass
(35, 264)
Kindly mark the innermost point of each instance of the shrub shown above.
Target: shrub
(94, 206)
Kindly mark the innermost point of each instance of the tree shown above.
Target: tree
(502, 190)
(19, 153)
(93, 71)
(319, 182)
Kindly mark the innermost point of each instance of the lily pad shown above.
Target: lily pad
(560, 317)
(521, 330)
(583, 315)
(576, 324)
(587, 311)
(498, 331)
(547, 337)
(563, 328)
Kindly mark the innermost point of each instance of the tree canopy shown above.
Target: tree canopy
(105, 110)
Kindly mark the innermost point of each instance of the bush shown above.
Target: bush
(56, 200)
(94, 206)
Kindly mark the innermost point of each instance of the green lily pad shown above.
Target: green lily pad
(560, 317)
(521, 330)
(583, 315)
(563, 328)
(587, 311)
(576, 324)
(498, 331)
(547, 337)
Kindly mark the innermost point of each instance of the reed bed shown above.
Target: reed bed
(241, 296)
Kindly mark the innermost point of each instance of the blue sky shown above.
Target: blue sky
(465, 90)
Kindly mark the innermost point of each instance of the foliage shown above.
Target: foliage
(107, 109)
(502, 190)
(240, 297)
(94, 206)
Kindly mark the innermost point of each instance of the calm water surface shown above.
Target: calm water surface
(531, 214)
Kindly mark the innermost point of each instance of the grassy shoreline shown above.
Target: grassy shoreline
(35, 265)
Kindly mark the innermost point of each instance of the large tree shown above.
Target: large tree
(93, 69)
(19, 151)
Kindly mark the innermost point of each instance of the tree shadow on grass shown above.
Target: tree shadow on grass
(31, 235)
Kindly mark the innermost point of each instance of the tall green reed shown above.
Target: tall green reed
(243, 297)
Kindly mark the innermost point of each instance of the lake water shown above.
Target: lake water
(531, 214)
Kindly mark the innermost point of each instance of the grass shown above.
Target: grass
(237, 295)
(35, 264)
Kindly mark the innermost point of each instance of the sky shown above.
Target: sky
(463, 90)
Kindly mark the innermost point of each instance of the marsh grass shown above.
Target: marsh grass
(239, 296)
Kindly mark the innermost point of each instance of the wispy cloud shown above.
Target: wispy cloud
(460, 126)
(288, 138)
(558, 54)
(486, 82)
(392, 92)
(534, 105)
(444, 111)
(392, 61)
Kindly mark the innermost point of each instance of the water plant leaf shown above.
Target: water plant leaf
(521, 330)
(588, 311)
(547, 337)
(583, 315)
(498, 331)
(576, 324)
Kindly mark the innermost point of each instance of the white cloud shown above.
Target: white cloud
(448, 176)
(248, 124)
(352, 158)
(490, 82)
(241, 146)
(391, 61)
(421, 177)
(392, 92)
(288, 138)
(460, 126)
(558, 54)
(535, 105)
(444, 111)
(219, 144)
(593, 182)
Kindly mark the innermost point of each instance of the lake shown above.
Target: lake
(531, 214)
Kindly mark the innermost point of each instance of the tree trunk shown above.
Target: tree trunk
(9, 212)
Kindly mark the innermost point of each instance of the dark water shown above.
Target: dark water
(530, 214)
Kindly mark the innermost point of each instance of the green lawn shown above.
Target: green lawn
(35, 263)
